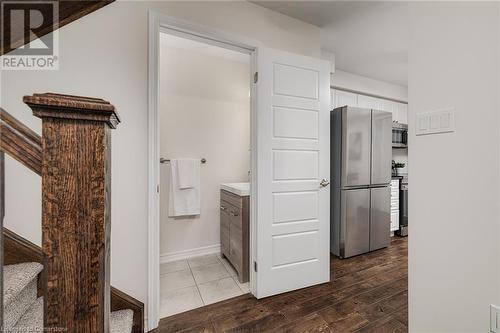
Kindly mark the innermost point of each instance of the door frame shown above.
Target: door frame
(160, 23)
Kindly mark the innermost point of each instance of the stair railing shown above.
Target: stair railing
(73, 157)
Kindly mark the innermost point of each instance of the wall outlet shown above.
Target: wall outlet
(437, 121)
(494, 318)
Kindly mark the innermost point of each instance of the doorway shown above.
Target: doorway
(204, 124)
(289, 171)
(200, 43)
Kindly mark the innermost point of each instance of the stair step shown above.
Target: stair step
(23, 309)
(121, 321)
(17, 277)
(20, 289)
(18, 307)
(32, 321)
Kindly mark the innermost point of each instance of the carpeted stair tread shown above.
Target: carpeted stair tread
(121, 321)
(27, 310)
(32, 321)
(18, 307)
(17, 277)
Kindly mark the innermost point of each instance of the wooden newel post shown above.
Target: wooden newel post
(76, 179)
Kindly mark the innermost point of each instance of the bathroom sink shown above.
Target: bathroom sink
(241, 189)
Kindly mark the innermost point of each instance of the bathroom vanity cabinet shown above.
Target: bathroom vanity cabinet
(235, 231)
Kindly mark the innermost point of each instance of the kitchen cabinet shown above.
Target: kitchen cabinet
(389, 106)
(394, 204)
(369, 102)
(235, 232)
(401, 113)
(343, 98)
(394, 221)
(399, 110)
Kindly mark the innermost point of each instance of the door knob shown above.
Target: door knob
(324, 183)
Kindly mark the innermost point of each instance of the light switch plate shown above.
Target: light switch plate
(494, 319)
(436, 121)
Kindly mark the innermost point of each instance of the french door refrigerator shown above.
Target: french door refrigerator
(361, 153)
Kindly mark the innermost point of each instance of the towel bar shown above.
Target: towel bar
(165, 160)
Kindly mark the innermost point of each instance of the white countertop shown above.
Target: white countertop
(241, 189)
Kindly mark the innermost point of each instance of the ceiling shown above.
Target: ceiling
(369, 38)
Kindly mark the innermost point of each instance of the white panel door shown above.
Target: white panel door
(293, 137)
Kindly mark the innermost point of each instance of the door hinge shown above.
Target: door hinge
(255, 266)
(256, 77)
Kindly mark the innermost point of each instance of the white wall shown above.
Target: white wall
(454, 201)
(105, 55)
(204, 112)
(351, 81)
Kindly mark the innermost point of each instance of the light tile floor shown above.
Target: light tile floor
(195, 282)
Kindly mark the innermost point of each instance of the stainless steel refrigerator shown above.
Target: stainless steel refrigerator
(361, 153)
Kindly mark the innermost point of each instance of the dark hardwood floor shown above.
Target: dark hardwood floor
(368, 293)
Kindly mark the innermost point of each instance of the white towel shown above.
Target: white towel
(188, 172)
(183, 201)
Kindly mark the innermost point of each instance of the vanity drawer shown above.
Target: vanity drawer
(225, 207)
(231, 198)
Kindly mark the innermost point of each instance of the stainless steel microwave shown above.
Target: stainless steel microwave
(399, 135)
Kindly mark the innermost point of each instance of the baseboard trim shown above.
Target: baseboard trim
(179, 255)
